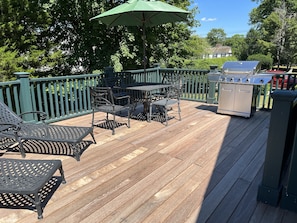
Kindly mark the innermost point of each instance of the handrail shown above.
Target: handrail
(64, 97)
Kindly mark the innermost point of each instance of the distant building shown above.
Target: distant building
(218, 51)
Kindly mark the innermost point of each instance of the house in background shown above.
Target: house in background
(218, 51)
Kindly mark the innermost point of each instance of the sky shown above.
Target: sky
(230, 15)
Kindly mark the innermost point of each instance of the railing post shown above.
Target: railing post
(25, 95)
(289, 195)
(212, 84)
(279, 145)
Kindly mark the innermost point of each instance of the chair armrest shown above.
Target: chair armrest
(9, 126)
(122, 97)
(42, 115)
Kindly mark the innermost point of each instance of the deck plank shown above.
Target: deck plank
(205, 168)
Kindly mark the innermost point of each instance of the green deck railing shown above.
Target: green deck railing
(68, 96)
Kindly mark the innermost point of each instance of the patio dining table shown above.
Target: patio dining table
(144, 93)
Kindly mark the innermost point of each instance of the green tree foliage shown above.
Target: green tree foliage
(195, 47)
(238, 45)
(9, 63)
(266, 61)
(216, 36)
(24, 27)
(276, 22)
(55, 37)
(206, 63)
(253, 41)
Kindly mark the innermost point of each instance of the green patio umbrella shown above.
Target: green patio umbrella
(142, 13)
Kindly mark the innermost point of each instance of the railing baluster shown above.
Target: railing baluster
(45, 101)
(68, 96)
(66, 100)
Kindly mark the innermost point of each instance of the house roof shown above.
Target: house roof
(220, 49)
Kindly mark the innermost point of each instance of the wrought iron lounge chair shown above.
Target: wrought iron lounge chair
(103, 100)
(23, 182)
(12, 126)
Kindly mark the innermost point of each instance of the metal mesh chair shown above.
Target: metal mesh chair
(103, 100)
(165, 101)
(26, 178)
(12, 126)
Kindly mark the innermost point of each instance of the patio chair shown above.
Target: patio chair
(12, 126)
(118, 82)
(169, 77)
(27, 182)
(164, 101)
(103, 100)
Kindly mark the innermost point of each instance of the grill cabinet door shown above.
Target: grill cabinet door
(226, 98)
(243, 98)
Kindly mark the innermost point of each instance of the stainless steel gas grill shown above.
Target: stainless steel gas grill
(239, 87)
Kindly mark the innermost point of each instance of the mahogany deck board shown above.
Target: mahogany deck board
(205, 168)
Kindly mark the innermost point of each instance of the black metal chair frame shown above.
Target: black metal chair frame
(27, 178)
(165, 101)
(103, 100)
(12, 126)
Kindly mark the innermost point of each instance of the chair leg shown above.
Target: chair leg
(150, 113)
(129, 118)
(179, 111)
(166, 116)
(38, 206)
(62, 174)
(113, 124)
(22, 150)
(93, 137)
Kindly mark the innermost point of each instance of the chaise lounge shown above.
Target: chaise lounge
(12, 126)
(23, 182)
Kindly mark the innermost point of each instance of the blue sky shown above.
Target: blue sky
(230, 15)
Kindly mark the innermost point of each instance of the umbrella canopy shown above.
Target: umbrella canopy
(142, 13)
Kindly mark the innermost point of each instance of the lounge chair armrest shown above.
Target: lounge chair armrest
(42, 115)
(9, 126)
(122, 97)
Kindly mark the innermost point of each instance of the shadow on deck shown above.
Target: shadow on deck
(205, 168)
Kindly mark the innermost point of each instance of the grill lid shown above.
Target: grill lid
(239, 72)
(235, 68)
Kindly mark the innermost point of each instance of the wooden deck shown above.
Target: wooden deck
(205, 168)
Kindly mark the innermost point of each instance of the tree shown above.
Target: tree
(266, 61)
(9, 63)
(253, 39)
(55, 37)
(276, 22)
(196, 47)
(238, 45)
(23, 30)
(216, 36)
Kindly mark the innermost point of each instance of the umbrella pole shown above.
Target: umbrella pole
(144, 52)
(144, 46)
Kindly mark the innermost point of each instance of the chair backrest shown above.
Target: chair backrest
(117, 79)
(101, 96)
(175, 80)
(7, 116)
(112, 82)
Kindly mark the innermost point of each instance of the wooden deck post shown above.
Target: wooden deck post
(279, 146)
